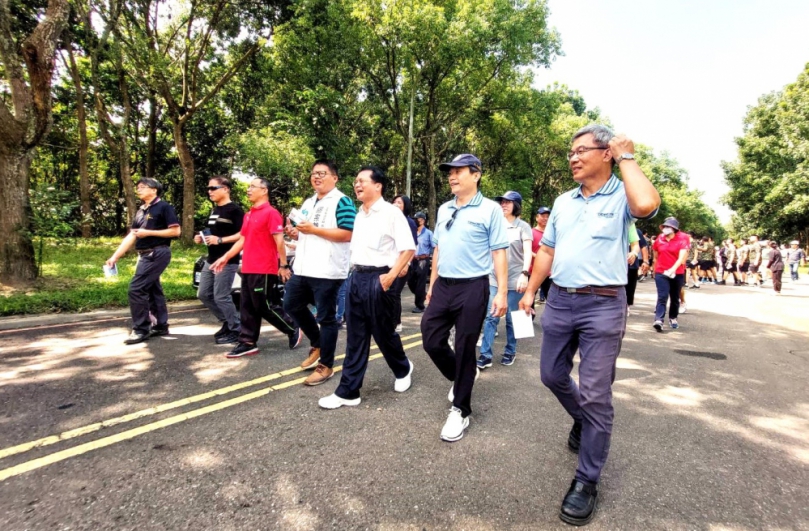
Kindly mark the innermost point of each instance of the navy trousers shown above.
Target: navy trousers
(299, 293)
(594, 325)
(370, 312)
(464, 306)
(146, 293)
(668, 289)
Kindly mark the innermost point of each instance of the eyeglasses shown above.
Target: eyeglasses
(581, 151)
(319, 174)
(362, 182)
(142, 187)
(452, 219)
(253, 186)
(214, 188)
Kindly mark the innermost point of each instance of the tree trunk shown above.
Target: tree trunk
(123, 149)
(152, 135)
(84, 147)
(429, 163)
(17, 250)
(187, 164)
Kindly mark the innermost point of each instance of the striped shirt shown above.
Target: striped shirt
(345, 213)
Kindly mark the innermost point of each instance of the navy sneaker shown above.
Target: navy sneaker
(484, 363)
(674, 324)
(508, 359)
(230, 337)
(222, 331)
(295, 338)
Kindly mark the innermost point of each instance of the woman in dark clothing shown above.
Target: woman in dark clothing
(776, 265)
(404, 204)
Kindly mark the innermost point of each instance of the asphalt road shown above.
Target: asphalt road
(711, 431)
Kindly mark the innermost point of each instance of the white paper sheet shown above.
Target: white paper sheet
(523, 325)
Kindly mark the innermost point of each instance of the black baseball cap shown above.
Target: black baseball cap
(544, 210)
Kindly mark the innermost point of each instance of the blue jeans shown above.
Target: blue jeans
(668, 288)
(490, 325)
(793, 270)
(301, 291)
(341, 301)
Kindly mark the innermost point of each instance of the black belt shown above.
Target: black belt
(149, 250)
(370, 269)
(608, 291)
(453, 281)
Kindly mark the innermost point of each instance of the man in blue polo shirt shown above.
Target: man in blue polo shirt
(586, 305)
(470, 238)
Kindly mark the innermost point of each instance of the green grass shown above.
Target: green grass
(73, 280)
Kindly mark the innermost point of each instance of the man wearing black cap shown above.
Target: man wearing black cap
(154, 226)
(420, 269)
(470, 239)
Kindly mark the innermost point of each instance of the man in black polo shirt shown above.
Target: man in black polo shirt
(225, 224)
(154, 226)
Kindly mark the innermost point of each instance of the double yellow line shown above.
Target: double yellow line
(129, 434)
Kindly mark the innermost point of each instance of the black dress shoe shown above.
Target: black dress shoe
(159, 331)
(136, 337)
(417, 310)
(579, 505)
(574, 439)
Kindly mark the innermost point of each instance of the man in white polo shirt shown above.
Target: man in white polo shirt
(381, 246)
(321, 266)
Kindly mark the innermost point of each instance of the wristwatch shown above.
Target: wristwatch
(625, 156)
(526, 273)
(219, 241)
(284, 266)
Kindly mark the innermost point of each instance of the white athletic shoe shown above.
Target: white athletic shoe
(683, 308)
(403, 384)
(398, 328)
(480, 341)
(455, 426)
(451, 394)
(333, 402)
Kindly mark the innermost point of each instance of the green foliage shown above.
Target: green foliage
(769, 183)
(72, 279)
(51, 213)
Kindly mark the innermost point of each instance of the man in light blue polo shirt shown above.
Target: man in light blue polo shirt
(586, 305)
(470, 238)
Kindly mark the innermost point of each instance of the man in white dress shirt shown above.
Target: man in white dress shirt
(381, 246)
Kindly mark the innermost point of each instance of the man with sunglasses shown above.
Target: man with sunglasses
(322, 229)
(470, 241)
(586, 305)
(152, 230)
(223, 230)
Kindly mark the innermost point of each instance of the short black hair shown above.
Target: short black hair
(377, 175)
(151, 183)
(408, 205)
(223, 181)
(331, 165)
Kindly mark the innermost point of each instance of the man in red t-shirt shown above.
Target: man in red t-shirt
(262, 238)
(671, 251)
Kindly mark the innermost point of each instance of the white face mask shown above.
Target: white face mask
(668, 231)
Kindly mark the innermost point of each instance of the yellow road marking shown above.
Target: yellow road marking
(90, 428)
(130, 434)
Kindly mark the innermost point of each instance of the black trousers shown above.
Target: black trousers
(396, 290)
(631, 285)
(146, 293)
(464, 306)
(370, 312)
(259, 299)
(417, 281)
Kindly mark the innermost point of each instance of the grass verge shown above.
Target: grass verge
(73, 281)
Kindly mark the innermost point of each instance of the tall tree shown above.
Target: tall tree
(27, 60)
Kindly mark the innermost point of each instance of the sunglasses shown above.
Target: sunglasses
(452, 219)
(213, 188)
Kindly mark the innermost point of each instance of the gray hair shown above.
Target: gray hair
(601, 134)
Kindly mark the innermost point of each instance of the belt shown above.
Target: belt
(607, 291)
(422, 257)
(370, 269)
(149, 250)
(453, 281)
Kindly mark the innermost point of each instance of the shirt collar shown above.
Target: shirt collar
(262, 206)
(476, 200)
(376, 207)
(147, 206)
(608, 188)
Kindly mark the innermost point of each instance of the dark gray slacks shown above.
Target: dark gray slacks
(145, 291)
(594, 325)
(370, 312)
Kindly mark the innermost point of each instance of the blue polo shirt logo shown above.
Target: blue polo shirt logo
(609, 215)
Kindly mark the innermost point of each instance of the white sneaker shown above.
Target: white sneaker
(398, 328)
(451, 394)
(455, 426)
(480, 341)
(403, 384)
(333, 402)
(683, 308)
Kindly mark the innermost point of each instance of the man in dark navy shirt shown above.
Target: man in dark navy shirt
(224, 226)
(154, 226)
